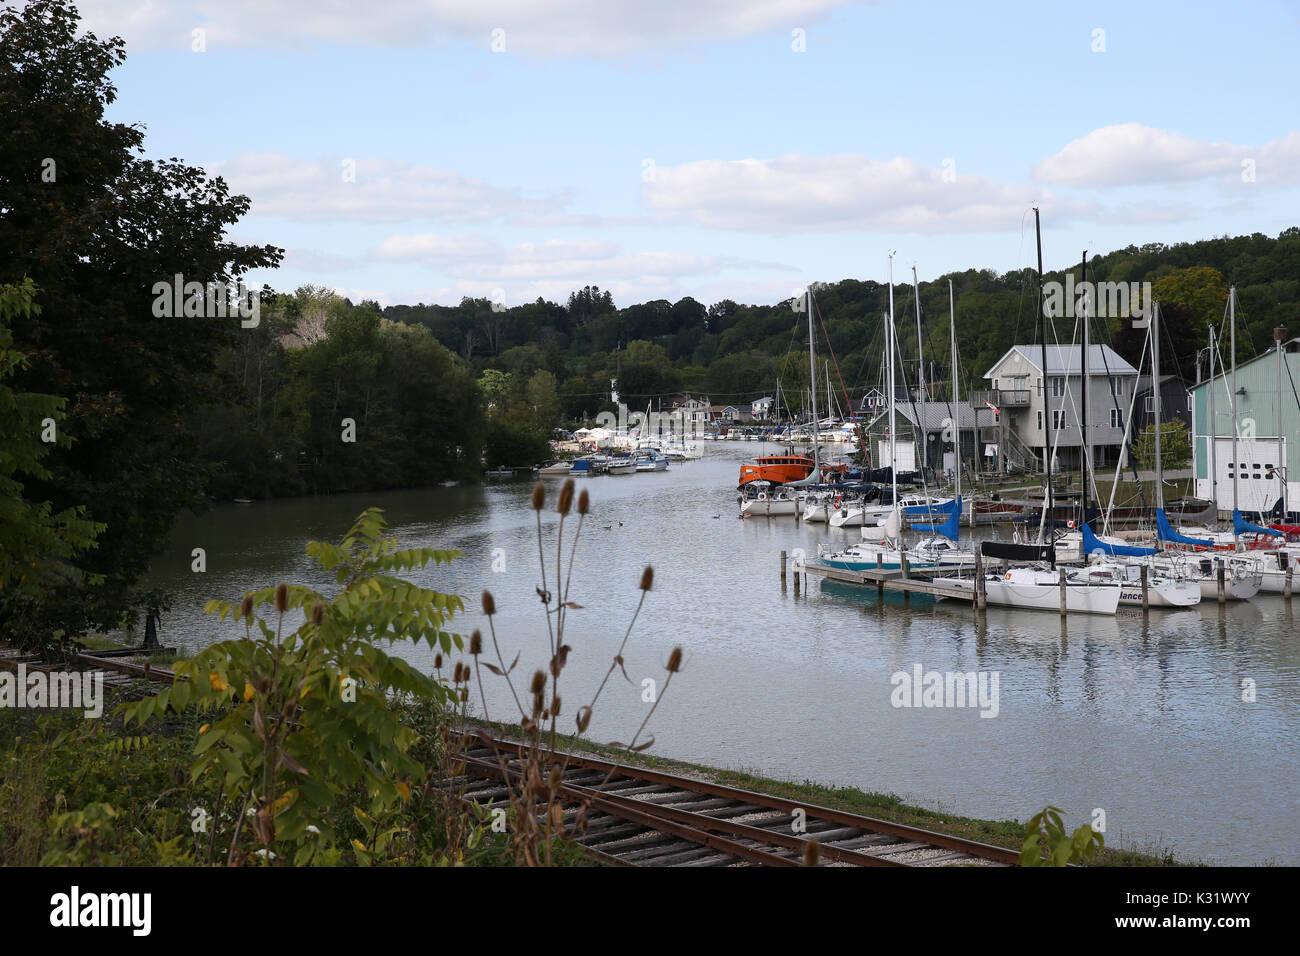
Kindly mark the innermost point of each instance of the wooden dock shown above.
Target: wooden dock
(883, 579)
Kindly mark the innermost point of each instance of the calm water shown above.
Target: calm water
(1143, 720)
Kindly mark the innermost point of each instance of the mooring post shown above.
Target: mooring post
(1286, 584)
(902, 563)
(783, 563)
(1222, 597)
(1146, 602)
(980, 601)
(880, 577)
(1060, 573)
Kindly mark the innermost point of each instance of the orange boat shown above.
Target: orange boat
(778, 469)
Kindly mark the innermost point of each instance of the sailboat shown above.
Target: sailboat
(888, 552)
(1041, 584)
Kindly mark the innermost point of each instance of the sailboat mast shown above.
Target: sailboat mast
(1042, 321)
(889, 357)
(1232, 347)
(1155, 396)
(1214, 430)
(920, 358)
(1279, 337)
(1086, 445)
(956, 408)
(812, 370)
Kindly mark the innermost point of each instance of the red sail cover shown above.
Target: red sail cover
(1286, 528)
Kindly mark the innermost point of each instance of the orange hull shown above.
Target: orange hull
(778, 469)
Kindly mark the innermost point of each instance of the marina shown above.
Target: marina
(1153, 699)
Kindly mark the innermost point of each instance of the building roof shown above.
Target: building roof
(1290, 345)
(937, 415)
(1066, 360)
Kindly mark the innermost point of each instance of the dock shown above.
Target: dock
(883, 579)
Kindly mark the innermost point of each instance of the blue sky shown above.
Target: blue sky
(689, 148)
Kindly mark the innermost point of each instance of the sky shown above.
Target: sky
(424, 150)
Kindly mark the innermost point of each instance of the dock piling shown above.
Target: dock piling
(1219, 575)
(1146, 601)
(783, 564)
(1286, 584)
(1060, 574)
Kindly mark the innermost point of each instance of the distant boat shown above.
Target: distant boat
(650, 459)
(500, 473)
(554, 468)
(621, 466)
(243, 501)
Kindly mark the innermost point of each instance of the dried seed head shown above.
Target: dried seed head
(584, 718)
(476, 642)
(557, 776)
(539, 682)
(647, 578)
(555, 706)
(318, 613)
(675, 660)
(566, 497)
(812, 853)
(437, 661)
(539, 703)
(489, 603)
(584, 502)
(557, 816)
(282, 597)
(539, 496)
(246, 606)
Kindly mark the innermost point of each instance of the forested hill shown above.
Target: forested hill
(735, 353)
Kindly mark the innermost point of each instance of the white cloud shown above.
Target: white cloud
(556, 267)
(1132, 154)
(802, 193)
(597, 28)
(381, 190)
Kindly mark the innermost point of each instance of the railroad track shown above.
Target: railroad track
(118, 674)
(641, 817)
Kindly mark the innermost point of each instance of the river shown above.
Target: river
(1144, 720)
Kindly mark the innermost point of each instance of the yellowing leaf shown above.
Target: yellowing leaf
(403, 789)
(248, 691)
(217, 683)
(204, 729)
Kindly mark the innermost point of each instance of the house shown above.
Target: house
(1265, 398)
(731, 413)
(762, 408)
(694, 412)
(1035, 419)
(1175, 403)
(927, 435)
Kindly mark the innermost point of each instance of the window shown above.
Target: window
(1117, 418)
(1058, 418)
(1058, 387)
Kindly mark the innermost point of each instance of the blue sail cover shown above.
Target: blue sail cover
(1094, 545)
(1241, 526)
(941, 509)
(950, 529)
(1165, 532)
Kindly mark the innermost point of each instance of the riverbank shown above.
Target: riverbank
(883, 806)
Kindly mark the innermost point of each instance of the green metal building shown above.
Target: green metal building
(1264, 384)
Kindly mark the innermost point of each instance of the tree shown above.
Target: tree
(37, 546)
(1175, 446)
(97, 227)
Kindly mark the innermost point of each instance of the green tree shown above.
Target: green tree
(1175, 446)
(37, 546)
(96, 227)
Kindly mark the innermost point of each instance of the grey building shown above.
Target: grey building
(1041, 413)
